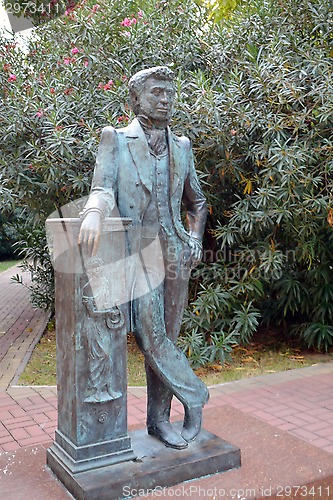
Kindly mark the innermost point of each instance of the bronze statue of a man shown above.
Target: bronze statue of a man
(148, 174)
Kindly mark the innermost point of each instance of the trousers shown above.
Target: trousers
(157, 318)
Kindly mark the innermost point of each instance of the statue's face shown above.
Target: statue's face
(156, 100)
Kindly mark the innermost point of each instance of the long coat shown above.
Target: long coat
(122, 185)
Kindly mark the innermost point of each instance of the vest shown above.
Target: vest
(157, 218)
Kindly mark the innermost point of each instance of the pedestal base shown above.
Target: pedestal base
(80, 459)
(156, 466)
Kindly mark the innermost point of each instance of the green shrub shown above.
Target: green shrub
(10, 224)
(33, 247)
(275, 101)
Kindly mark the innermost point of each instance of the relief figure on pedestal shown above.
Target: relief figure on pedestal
(99, 324)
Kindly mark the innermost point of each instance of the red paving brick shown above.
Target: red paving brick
(286, 426)
(11, 446)
(329, 448)
(326, 433)
(17, 425)
(5, 415)
(41, 418)
(34, 430)
(133, 420)
(321, 442)
(31, 441)
(299, 421)
(6, 439)
(304, 434)
(18, 412)
(19, 434)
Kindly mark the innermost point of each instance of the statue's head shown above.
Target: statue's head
(152, 93)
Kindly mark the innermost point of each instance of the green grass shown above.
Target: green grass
(266, 354)
(6, 264)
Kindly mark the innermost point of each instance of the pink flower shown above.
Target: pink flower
(108, 85)
(75, 50)
(120, 119)
(67, 61)
(95, 8)
(140, 14)
(86, 62)
(39, 113)
(12, 77)
(126, 22)
(233, 131)
(133, 21)
(52, 90)
(124, 78)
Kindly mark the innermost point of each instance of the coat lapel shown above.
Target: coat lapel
(138, 147)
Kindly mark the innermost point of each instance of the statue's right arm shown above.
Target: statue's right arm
(101, 200)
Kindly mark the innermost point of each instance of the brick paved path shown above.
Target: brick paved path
(298, 402)
(21, 326)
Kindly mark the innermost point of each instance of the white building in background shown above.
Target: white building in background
(4, 21)
(6, 28)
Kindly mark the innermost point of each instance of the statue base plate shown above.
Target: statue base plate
(155, 467)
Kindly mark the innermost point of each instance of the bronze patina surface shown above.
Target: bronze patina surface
(147, 173)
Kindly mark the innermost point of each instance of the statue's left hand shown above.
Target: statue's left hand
(196, 251)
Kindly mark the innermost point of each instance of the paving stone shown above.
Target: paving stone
(18, 423)
(304, 434)
(6, 439)
(19, 434)
(34, 430)
(41, 418)
(321, 443)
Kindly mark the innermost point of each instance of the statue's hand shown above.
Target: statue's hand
(90, 232)
(196, 251)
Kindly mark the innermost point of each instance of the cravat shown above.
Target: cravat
(156, 138)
